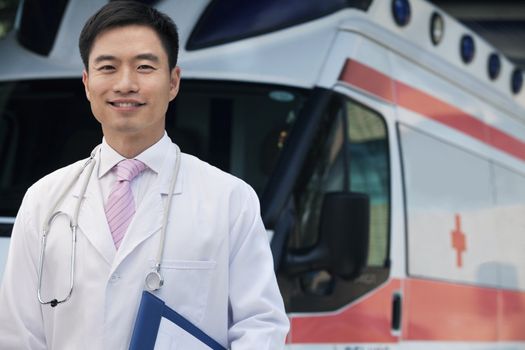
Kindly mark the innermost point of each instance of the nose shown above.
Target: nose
(126, 82)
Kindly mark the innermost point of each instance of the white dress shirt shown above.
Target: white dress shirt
(153, 157)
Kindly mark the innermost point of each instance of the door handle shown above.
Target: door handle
(396, 313)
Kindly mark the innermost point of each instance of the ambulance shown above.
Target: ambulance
(386, 142)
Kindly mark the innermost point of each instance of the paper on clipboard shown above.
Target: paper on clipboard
(171, 336)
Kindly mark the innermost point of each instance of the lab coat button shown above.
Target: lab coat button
(114, 278)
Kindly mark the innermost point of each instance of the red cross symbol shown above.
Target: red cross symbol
(459, 241)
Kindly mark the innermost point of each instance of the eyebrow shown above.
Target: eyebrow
(104, 58)
(143, 56)
(148, 57)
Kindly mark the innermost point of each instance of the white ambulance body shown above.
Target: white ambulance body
(400, 103)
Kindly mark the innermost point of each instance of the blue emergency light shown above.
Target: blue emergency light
(467, 48)
(516, 81)
(493, 66)
(401, 12)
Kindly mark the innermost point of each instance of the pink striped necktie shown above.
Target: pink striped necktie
(121, 205)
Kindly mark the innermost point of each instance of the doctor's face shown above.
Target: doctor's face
(129, 83)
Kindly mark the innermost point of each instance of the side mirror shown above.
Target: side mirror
(342, 248)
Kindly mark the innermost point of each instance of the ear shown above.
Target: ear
(85, 81)
(174, 82)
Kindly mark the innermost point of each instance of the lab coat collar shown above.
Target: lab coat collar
(93, 181)
(153, 157)
(164, 166)
(168, 171)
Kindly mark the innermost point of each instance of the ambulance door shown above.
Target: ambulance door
(451, 290)
(350, 152)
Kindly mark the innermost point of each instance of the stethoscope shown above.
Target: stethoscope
(154, 279)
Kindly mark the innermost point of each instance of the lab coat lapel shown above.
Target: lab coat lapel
(148, 217)
(92, 218)
(146, 221)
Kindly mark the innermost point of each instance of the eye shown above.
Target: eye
(106, 68)
(146, 68)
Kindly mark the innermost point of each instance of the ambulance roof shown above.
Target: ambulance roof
(232, 39)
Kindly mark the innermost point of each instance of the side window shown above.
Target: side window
(510, 204)
(8, 9)
(450, 210)
(350, 153)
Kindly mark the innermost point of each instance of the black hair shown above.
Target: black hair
(123, 13)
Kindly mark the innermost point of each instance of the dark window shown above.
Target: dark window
(8, 10)
(246, 19)
(44, 125)
(47, 124)
(350, 153)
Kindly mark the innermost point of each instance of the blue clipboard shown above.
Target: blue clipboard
(151, 311)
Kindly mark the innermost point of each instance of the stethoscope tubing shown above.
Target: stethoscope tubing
(153, 280)
(73, 223)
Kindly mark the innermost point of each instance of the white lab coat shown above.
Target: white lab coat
(217, 265)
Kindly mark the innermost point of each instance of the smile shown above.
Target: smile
(126, 104)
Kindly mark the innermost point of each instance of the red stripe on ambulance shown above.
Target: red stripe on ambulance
(432, 311)
(397, 92)
(446, 311)
(367, 320)
(451, 312)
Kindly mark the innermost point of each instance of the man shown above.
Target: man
(216, 264)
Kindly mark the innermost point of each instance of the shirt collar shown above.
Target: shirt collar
(153, 156)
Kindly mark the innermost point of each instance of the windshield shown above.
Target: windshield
(47, 124)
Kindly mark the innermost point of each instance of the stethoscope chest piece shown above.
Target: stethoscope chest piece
(154, 280)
